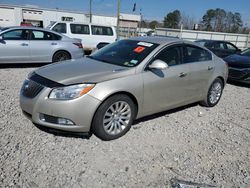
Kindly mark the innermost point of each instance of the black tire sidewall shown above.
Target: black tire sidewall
(58, 53)
(97, 123)
(217, 80)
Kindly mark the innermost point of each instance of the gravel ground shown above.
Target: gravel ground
(197, 144)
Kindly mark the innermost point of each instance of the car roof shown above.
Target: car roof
(34, 28)
(157, 39)
(207, 40)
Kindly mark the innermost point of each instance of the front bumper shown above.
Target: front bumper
(80, 110)
(239, 75)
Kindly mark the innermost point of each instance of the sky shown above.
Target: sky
(151, 10)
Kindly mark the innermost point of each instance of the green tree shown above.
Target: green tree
(172, 19)
(153, 24)
(221, 21)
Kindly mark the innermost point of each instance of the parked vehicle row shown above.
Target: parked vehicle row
(90, 34)
(36, 45)
(105, 92)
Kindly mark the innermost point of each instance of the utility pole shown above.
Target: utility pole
(90, 11)
(118, 18)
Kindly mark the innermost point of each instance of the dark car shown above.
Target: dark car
(239, 66)
(220, 48)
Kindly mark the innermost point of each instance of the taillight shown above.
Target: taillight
(79, 45)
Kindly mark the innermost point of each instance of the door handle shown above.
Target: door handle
(182, 74)
(24, 44)
(210, 68)
(53, 43)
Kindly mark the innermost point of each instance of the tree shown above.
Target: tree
(172, 19)
(187, 21)
(153, 24)
(221, 21)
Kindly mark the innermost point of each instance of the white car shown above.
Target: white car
(35, 45)
(90, 34)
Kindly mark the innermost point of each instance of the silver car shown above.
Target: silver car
(36, 45)
(105, 92)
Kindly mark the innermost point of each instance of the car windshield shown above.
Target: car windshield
(246, 52)
(127, 53)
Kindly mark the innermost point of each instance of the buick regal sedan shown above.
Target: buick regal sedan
(105, 92)
(36, 45)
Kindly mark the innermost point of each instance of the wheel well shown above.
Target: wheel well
(124, 93)
(61, 51)
(222, 79)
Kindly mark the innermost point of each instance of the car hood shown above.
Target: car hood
(83, 70)
(238, 61)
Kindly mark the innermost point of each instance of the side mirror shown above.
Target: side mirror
(101, 45)
(238, 51)
(158, 64)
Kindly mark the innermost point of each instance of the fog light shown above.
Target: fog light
(63, 121)
(55, 120)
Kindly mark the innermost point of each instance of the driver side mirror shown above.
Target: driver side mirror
(238, 51)
(158, 64)
(2, 40)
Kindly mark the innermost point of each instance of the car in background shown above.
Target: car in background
(35, 45)
(220, 48)
(90, 34)
(239, 66)
(104, 92)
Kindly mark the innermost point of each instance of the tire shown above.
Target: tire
(61, 56)
(114, 117)
(214, 93)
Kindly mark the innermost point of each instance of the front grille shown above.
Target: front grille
(233, 73)
(31, 89)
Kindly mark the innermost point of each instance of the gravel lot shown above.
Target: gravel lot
(197, 144)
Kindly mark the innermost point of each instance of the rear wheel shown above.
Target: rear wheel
(214, 93)
(61, 56)
(114, 117)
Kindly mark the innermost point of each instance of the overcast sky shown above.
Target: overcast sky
(151, 9)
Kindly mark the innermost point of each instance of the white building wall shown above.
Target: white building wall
(96, 19)
(7, 16)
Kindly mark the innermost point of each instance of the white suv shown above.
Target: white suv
(90, 34)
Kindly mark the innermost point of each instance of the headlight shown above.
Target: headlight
(70, 92)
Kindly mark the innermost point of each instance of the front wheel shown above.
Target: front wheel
(114, 117)
(214, 93)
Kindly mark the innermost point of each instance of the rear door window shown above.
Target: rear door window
(196, 54)
(43, 35)
(60, 28)
(79, 29)
(102, 30)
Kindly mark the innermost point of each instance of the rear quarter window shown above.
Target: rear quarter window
(102, 30)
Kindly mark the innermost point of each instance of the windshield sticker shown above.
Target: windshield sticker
(133, 61)
(146, 44)
(126, 63)
(139, 49)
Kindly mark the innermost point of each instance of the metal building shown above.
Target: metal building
(14, 15)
